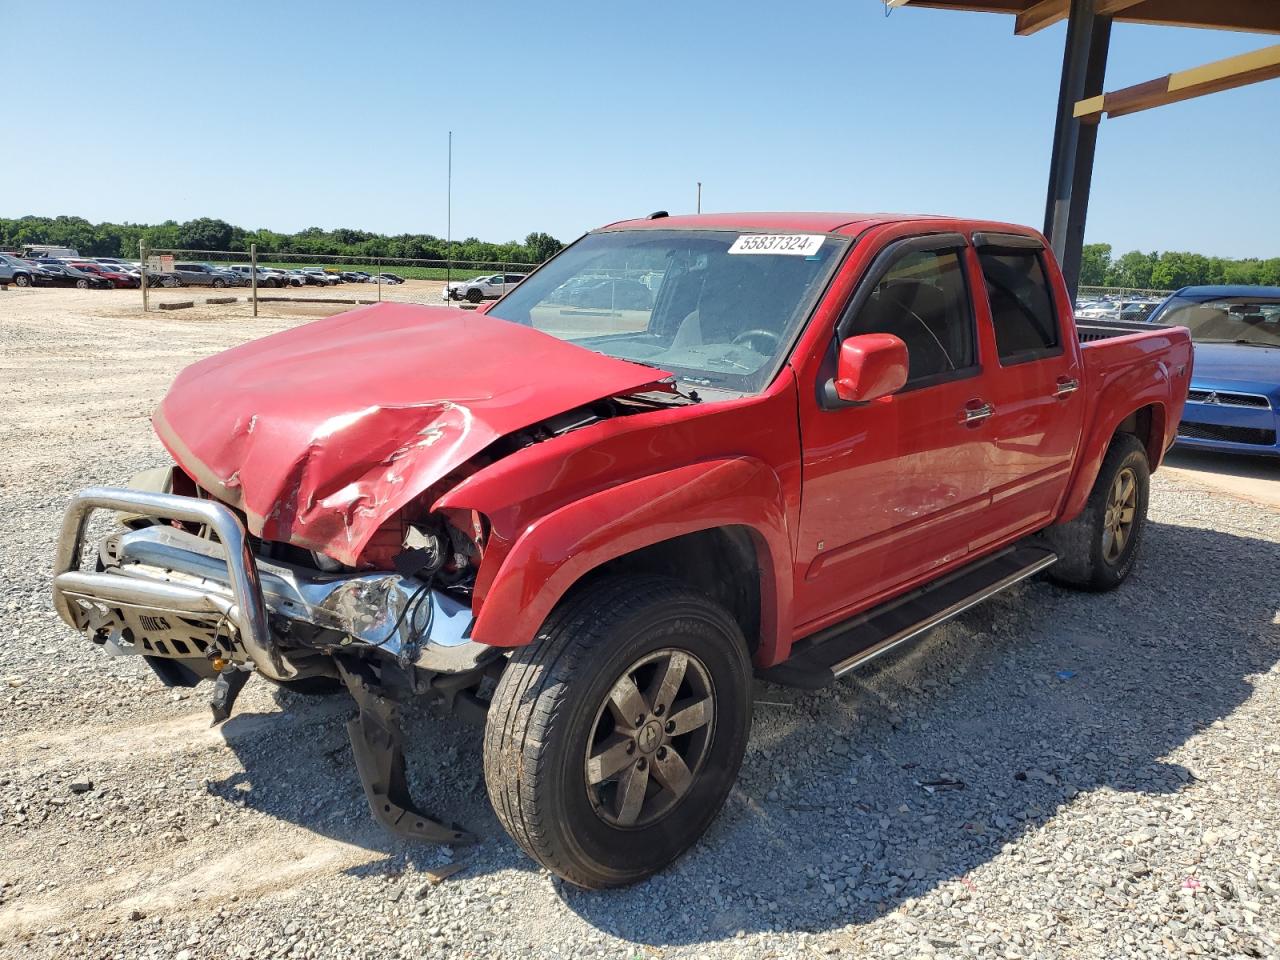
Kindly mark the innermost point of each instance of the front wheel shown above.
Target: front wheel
(22, 280)
(1097, 550)
(474, 296)
(218, 284)
(613, 740)
(82, 284)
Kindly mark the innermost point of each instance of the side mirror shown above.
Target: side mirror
(869, 367)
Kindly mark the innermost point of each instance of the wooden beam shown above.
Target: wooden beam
(1252, 16)
(1213, 77)
(1109, 8)
(1040, 15)
(1255, 16)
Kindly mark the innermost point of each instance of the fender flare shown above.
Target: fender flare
(1107, 420)
(555, 551)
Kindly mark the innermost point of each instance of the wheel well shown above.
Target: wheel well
(1147, 424)
(720, 562)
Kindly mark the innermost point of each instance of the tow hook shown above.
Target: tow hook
(377, 743)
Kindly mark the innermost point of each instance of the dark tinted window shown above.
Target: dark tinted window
(922, 301)
(1021, 303)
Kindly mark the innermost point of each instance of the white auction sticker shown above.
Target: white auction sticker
(790, 244)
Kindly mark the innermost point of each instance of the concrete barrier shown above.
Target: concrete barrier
(221, 299)
(177, 305)
(311, 300)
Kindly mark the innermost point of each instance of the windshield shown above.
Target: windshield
(711, 309)
(1250, 320)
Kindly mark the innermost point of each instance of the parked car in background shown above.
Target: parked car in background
(488, 287)
(244, 272)
(46, 251)
(15, 271)
(59, 274)
(117, 278)
(604, 293)
(321, 276)
(1136, 311)
(389, 278)
(116, 262)
(201, 275)
(274, 277)
(1234, 402)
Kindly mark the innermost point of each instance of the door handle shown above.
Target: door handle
(975, 412)
(1066, 386)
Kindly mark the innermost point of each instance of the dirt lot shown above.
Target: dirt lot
(1053, 775)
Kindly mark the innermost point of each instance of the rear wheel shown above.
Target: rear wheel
(1097, 550)
(613, 740)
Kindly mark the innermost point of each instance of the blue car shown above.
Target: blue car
(1234, 402)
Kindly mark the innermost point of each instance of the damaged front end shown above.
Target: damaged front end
(183, 587)
(298, 535)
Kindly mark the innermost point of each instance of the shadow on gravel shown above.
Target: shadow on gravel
(844, 809)
(1034, 697)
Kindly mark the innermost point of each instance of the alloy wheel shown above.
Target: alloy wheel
(1122, 508)
(650, 738)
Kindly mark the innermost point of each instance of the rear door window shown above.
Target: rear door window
(1022, 313)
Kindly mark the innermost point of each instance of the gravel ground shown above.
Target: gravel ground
(1053, 775)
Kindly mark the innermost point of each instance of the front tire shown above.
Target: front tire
(1097, 550)
(613, 740)
(82, 284)
(22, 280)
(474, 296)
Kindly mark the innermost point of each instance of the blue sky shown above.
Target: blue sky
(566, 116)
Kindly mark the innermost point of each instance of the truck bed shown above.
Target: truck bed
(1089, 331)
(1124, 360)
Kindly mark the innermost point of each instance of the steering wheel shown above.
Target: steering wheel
(747, 335)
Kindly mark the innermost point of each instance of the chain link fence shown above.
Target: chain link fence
(228, 276)
(1121, 292)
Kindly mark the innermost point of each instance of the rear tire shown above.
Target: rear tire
(582, 716)
(1097, 550)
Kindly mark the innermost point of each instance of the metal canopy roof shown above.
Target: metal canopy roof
(1254, 16)
(1082, 101)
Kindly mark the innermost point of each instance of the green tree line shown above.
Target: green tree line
(1171, 269)
(205, 233)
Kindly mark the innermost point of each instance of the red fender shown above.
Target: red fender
(1121, 389)
(556, 550)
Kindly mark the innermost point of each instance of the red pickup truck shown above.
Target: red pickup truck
(685, 451)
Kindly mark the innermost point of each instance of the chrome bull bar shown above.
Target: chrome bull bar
(162, 569)
(246, 609)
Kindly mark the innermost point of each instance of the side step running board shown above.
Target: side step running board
(818, 660)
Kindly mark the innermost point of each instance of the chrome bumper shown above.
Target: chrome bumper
(226, 602)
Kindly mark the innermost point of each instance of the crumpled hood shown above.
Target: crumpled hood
(322, 433)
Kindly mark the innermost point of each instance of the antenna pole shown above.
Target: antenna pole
(699, 196)
(448, 221)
